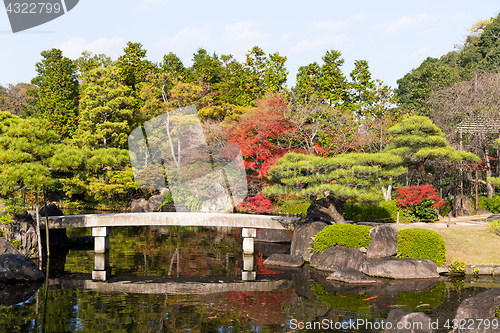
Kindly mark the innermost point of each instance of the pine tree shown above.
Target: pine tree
(58, 91)
(417, 140)
(27, 147)
(345, 176)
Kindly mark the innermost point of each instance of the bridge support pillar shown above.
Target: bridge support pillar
(101, 239)
(101, 266)
(248, 235)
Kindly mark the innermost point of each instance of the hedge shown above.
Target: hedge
(381, 211)
(418, 243)
(348, 235)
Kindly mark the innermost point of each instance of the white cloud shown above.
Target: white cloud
(240, 37)
(330, 27)
(74, 47)
(405, 22)
(244, 32)
(185, 42)
(325, 35)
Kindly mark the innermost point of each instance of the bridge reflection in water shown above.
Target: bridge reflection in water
(102, 224)
(155, 285)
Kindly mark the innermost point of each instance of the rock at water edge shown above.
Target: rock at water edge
(400, 268)
(337, 257)
(15, 267)
(284, 260)
(7, 247)
(302, 243)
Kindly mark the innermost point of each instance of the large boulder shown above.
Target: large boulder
(7, 247)
(400, 321)
(52, 210)
(219, 204)
(350, 275)
(154, 203)
(284, 260)
(336, 257)
(57, 237)
(400, 268)
(15, 267)
(383, 243)
(22, 229)
(273, 236)
(302, 243)
(462, 206)
(138, 205)
(480, 306)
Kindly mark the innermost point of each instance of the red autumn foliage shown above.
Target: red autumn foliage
(260, 134)
(256, 204)
(412, 196)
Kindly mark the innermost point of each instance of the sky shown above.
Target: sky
(393, 36)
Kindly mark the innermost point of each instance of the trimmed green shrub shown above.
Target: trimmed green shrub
(418, 243)
(493, 204)
(348, 235)
(457, 267)
(482, 201)
(381, 211)
(497, 311)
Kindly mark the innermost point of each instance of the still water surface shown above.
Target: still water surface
(189, 280)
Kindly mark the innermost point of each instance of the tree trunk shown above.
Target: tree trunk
(421, 172)
(387, 192)
(331, 210)
(490, 190)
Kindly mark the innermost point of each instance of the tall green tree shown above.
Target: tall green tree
(87, 62)
(57, 94)
(27, 147)
(371, 98)
(206, 68)
(134, 68)
(106, 110)
(275, 76)
(324, 83)
(415, 88)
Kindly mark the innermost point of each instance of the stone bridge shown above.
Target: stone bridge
(101, 225)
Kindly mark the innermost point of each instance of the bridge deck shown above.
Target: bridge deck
(174, 219)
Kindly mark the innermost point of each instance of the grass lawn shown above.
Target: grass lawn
(476, 245)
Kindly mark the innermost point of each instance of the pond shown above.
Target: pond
(174, 279)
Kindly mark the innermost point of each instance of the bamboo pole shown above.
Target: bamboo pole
(38, 227)
(46, 222)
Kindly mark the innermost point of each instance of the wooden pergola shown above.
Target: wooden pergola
(477, 125)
